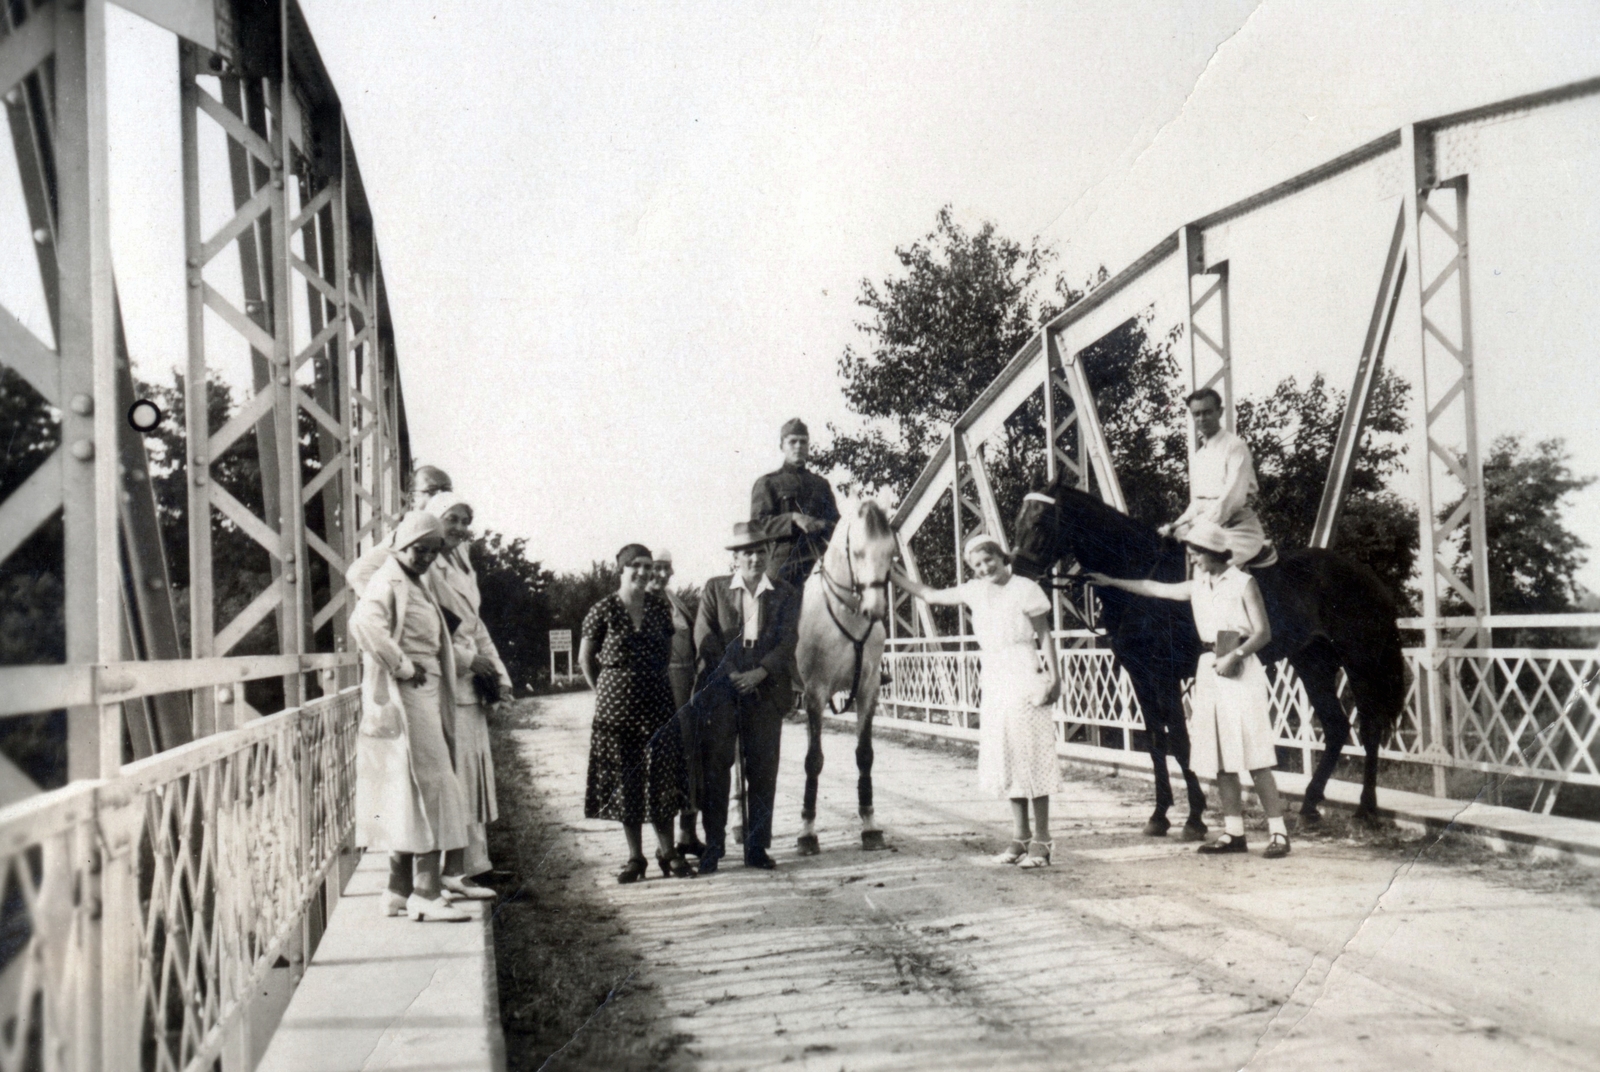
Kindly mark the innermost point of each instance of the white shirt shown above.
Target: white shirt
(1222, 477)
(749, 604)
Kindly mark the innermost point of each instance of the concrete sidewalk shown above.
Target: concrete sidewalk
(389, 994)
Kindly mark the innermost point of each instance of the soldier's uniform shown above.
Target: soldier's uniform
(794, 489)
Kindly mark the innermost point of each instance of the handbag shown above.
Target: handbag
(487, 686)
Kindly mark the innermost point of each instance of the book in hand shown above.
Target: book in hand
(1229, 640)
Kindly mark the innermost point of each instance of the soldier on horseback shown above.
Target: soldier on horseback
(797, 505)
(1222, 477)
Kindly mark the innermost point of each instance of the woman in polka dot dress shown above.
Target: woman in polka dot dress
(635, 749)
(1016, 733)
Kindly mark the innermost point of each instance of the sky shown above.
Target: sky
(623, 243)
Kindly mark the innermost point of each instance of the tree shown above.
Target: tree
(1292, 433)
(1533, 557)
(939, 334)
(516, 606)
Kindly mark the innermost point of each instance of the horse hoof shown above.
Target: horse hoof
(872, 841)
(1157, 826)
(806, 845)
(1310, 816)
(1195, 830)
(1365, 818)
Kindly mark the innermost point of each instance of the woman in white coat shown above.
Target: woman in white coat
(408, 798)
(455, 583)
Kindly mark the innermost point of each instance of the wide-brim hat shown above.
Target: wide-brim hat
(748, 534)
(1208, 536)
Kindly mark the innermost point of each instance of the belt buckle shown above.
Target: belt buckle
(748, 644)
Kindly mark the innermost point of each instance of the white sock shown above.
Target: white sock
(1275, 826)
(1233, 825)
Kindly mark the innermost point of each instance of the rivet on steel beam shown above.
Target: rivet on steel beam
(82, 404)
(41, 236)
(199, 478)
(252, 306)
(200, 459)
(127, 496)
(224, 695)
(290, 578)
(194, 281)
(194, 262)
(277, 184)
(289, 558)
(83, 450)
(156, 583)
(12, 96)
(283, 381)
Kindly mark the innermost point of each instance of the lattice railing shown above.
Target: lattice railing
(187, 877)
(1525, 712)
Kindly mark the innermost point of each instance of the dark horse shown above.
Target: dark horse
(1327, 612)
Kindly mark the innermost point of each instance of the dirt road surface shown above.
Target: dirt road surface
(1129, 953)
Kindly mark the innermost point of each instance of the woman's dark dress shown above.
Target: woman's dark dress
(635, 773)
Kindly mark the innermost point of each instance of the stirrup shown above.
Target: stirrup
(1036, 859)
(1018, 850)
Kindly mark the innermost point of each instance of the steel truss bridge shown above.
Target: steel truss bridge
(1519, 712)
(200, 841)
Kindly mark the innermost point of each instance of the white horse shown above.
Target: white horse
(842, 615)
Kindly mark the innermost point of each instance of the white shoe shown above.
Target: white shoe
(393, 904)
(1017, 851)
(460, 886)
(423, 910)
(1037, 858)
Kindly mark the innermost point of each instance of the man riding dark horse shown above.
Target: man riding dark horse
(1222, 478)
(798, 507)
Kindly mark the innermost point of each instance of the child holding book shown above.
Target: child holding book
(1231, 727)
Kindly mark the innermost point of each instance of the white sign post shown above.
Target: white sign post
(561, 640)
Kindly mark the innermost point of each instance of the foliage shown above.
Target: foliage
(939, 334)
(1533, 557)
(1292, 434)
(516, 606)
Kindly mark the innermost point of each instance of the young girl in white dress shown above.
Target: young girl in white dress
(1231, 727)
(1016, 733)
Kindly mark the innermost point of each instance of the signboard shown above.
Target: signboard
(560, 640)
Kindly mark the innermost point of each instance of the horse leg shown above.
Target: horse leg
(1318, 670)
(1368, 810)
(871, 832)
(806, 843)
(1194, 827)
(1157, 720)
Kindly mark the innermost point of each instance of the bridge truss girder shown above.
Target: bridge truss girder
(1433, 203)
(324, 405)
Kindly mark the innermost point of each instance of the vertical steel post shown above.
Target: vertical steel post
(957, 455)
(87, 346)
(1416, 172)
(1210, 358)
(197, 430)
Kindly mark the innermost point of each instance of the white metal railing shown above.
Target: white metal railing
(1524, 712)
(140, 913)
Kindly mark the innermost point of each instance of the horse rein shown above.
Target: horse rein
(844, 595)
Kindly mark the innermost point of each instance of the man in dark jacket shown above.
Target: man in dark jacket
(798, 506)
(745, 635)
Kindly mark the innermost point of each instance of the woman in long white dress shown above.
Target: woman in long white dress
(1016, 731)
(1231, 724)
(455, 584)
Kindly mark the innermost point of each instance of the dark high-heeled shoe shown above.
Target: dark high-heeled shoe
(634, 871)
(674, 866)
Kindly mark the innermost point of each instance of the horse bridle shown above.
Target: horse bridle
(845, 595)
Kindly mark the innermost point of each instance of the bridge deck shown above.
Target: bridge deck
(1130, 953)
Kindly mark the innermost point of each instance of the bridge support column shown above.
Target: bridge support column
(1445, 447)
(1206, 328)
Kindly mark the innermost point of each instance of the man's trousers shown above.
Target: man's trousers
(755, 722)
